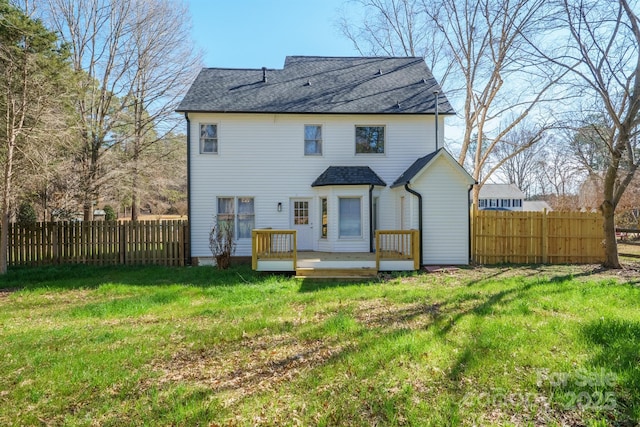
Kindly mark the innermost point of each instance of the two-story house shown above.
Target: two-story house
(505, 197)
(334, 148)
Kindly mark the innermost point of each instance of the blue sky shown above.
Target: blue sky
(260, 33)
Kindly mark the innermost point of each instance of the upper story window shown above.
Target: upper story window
(369, 139)
(209, 138)
(312, 140)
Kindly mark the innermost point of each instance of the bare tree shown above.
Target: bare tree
(397, 28)
(483, 44)
(490, 44)
(99, 34)
(603, 55)
(560, 173)
(521, 167)
(32, 72)
(164, 65)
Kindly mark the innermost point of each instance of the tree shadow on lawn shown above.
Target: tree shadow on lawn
(380, 334)
(80, 276)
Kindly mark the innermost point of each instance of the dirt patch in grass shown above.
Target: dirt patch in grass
(379, 313)
(4, 293)
(249, 366)
(581, 272)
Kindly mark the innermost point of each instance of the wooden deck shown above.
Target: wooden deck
(275, 250)
(335, 265)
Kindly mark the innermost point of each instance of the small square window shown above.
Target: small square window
(312, 140)
(209, 139)
(369, 139)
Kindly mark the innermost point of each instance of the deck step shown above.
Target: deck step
(336, 273)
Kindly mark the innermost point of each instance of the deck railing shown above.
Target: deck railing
(273, 245)
(394, 245)
(280, 245)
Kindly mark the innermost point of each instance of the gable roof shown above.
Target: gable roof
(348, 175)
(423, 162)
(500, 191)
(311, 84)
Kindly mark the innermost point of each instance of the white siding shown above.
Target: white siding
(445, 207)
(262, 156)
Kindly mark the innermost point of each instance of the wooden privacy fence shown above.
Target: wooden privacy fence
(99, 243)
(537, 237)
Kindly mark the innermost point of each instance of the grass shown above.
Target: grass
(194, 346)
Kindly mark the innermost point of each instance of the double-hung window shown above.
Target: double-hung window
(369, 139)
(209, 138)
(312, 140)
(241, 223)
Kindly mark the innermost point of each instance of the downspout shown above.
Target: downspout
(186, 116)
(469, 219)
(419, 196)
(371, 234)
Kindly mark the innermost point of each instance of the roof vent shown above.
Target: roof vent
(264, 74)
(397, 104)
(424, 81)
(380, 71)
(308, 83)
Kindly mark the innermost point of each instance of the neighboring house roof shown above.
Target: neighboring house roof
(423, 162)
(348, 175)
(535, 206)
(500, 191)
(311, 84)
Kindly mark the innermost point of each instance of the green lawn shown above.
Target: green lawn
(195, 346)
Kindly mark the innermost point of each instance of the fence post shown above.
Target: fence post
(122, 242)
(545, 237)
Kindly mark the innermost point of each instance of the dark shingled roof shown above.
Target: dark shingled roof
(308, 84)
(348, 175)
(413, 170)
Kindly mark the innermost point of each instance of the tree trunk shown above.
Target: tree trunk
(6, 195)
(610, 245)
(134, 189)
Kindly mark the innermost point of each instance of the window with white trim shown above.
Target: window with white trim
(482, 203)
(209, 139)
(493, 203)
(312, 140)
(517, 203)
(241, 223)
(505, 203)
(323, 218)
(350, 217)
(369, 139)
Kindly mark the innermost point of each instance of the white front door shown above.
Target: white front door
(301, 222)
